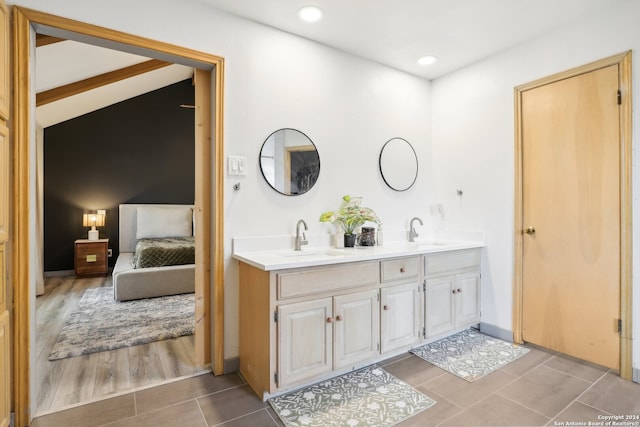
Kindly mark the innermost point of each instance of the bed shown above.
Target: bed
(143, 225)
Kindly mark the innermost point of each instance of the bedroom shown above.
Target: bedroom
(146, 158)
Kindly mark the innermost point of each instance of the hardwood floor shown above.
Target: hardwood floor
(76, 380)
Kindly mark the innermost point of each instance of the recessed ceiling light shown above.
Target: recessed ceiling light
(310, 13)
(427, 60)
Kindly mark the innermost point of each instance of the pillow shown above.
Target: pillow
(163, 221)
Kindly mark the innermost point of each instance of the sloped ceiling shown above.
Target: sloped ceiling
(398, 32)
(68, 62)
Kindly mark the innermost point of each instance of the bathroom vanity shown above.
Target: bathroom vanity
(310, 315)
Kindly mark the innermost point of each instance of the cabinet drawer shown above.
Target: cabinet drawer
(91, 258)
(451, 261)
(90, 249)
(309, 282)
(399, 269)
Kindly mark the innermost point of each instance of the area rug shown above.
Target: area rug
(367, 397)
(99, 323)
(470, 354)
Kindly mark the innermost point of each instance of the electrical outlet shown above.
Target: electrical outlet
(109, 253)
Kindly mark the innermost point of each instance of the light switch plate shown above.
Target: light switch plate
(236, 165)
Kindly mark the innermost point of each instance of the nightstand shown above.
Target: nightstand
(91, 257)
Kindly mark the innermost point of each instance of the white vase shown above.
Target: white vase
(339, 238)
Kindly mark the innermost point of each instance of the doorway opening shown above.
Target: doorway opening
(209, 72)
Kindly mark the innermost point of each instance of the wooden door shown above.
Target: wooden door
(305, 340)
(571, 215)
(467, 299)
(400, 321)
(5, 327)
(439, 307)
(357, 327)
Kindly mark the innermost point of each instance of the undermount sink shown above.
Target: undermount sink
(424, 245)
(311, 252)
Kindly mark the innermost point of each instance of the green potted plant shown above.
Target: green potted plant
(349, 217)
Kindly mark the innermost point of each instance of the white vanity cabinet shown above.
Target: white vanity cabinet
(357, 328)
(304, 324)
(400, 298)
(318, 336)
(300, 324)
(305, 340)
(452, 294)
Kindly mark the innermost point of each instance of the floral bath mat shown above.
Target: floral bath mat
(367, 397)
(470, 354)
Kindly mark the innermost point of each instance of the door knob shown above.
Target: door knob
(530, 230)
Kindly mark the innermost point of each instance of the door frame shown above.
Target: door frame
(623, 60)
(209, 178)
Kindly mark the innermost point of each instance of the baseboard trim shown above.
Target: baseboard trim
(231, 365)
(636, 375)
(59, 273)
(497, 332)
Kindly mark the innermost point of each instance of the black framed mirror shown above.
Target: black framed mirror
(289, 162)
(398, 164)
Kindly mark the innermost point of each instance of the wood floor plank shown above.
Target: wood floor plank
(81, 379)
(175, 358)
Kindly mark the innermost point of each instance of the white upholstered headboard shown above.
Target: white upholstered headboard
(128, 224)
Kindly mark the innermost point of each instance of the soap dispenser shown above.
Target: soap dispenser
(379, 239)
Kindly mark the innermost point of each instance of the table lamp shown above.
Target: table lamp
(94, 220)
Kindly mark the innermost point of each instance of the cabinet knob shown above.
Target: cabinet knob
(401, 269)
(338, 318)
(386, 307)
(454, 291)
(459, 290)
(329, 319)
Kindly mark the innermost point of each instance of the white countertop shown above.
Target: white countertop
(280, 259)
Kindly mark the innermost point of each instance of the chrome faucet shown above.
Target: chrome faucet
(412, 231)
(300, 240)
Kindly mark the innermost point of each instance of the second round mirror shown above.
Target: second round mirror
(398, 164)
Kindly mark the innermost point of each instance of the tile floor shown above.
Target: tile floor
(541, 388)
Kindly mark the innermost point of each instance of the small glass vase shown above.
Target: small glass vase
(350, 240)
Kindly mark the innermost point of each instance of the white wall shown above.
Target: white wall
(347, 106)
(350, 107)
(473, 141)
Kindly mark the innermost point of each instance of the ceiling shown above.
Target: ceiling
(394, 33)
(398, 32)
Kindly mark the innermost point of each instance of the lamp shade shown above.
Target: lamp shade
(94, 219)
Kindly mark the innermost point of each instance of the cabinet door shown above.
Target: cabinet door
(304, 340)
(439, 308)
(357, 327)
(399, 320)
(467, 299)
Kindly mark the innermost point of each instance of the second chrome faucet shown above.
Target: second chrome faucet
(412, 231)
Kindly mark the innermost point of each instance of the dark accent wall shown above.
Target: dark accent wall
(137, 151)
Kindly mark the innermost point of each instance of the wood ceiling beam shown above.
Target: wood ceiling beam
(43, 40)
(55, 94)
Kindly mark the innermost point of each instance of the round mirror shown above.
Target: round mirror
(289, 162)
(398, 164)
